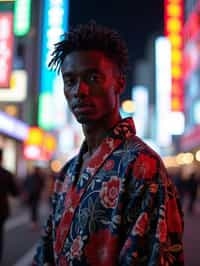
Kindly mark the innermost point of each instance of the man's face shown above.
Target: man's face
(91, 85)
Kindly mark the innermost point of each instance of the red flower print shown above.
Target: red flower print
(100, 154)
(174, 221)
(144, 167)
(76, 248)
(153, 188)
(63, 261)
(71, 199)
(58, 244)
(109, 192)
(101, 249)
(161, 232)
(141, 224)
(109, 165)
(126, 246)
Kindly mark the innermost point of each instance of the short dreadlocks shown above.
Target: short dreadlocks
(91, 37)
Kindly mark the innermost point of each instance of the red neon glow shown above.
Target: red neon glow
(6, 48)
(173, 17)
(191, 40)
(39, 145)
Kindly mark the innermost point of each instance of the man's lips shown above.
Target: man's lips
(82, 108)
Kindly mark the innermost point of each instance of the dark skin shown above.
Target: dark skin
(92, 85)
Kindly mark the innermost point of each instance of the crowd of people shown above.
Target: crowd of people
(187, 180)
(27, 190)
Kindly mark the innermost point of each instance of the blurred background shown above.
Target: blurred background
(162, 95)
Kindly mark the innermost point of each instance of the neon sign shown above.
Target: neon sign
(22, 17)
(6, 48)
(55, 21)
(13, 127)
(174, 32)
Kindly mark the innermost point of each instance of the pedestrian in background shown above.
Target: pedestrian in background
(192, 189)
(113, 203)
(180, 182)
(8, 187)
(33, 187)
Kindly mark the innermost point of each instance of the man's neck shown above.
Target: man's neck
(96, 132)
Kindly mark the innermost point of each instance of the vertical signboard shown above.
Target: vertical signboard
(174, 12)
(22, 17)
(163, 89)
(6, 48)
(140, 98)
(55, 22)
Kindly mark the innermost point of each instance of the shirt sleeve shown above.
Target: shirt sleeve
(44, 252)
(154, 220)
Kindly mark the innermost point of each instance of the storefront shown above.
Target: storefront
(12, 134)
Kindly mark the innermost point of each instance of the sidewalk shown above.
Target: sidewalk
(192, 236)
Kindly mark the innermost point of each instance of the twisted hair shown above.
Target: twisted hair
(91, 37)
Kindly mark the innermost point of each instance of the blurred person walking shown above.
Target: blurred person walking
(180, 182)
(33, 187)
(192, 189)
(8, 187)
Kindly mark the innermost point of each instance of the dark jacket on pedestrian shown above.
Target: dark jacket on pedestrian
(8, 188)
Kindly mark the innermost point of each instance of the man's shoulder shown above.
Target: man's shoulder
(146, 163)
(139, 146)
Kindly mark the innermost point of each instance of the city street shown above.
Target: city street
(192, 237)
(20, 240)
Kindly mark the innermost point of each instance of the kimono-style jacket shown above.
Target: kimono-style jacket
(122, 210)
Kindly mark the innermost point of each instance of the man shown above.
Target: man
(113, 203)
(8, 188)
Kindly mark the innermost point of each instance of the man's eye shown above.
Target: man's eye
(94, 77)
(69, 82)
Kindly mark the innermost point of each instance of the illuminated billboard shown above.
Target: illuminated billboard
(6, 48)
(163, 90)
(174, 12)
(39, 145)
(55, 22)
(13, 127)
(22, 17)
(17, 91)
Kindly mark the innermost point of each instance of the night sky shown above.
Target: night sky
(136, 20)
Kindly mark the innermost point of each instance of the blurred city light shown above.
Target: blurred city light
(55, 166)
(22, 17)
(176, 122)
(55, 23)
(197, 156)
(170, 161)
(18, 87)
(184, 158)
(140, 97)
(13, 127)
(128, 106)
(174, 11)
(163, 91)
(6, 47)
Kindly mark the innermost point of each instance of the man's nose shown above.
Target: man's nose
(82, 88)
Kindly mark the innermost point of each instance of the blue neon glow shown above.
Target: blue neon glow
(55, 23)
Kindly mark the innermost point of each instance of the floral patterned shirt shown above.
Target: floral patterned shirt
(123, 210)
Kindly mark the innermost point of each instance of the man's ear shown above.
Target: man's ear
(121, 83)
